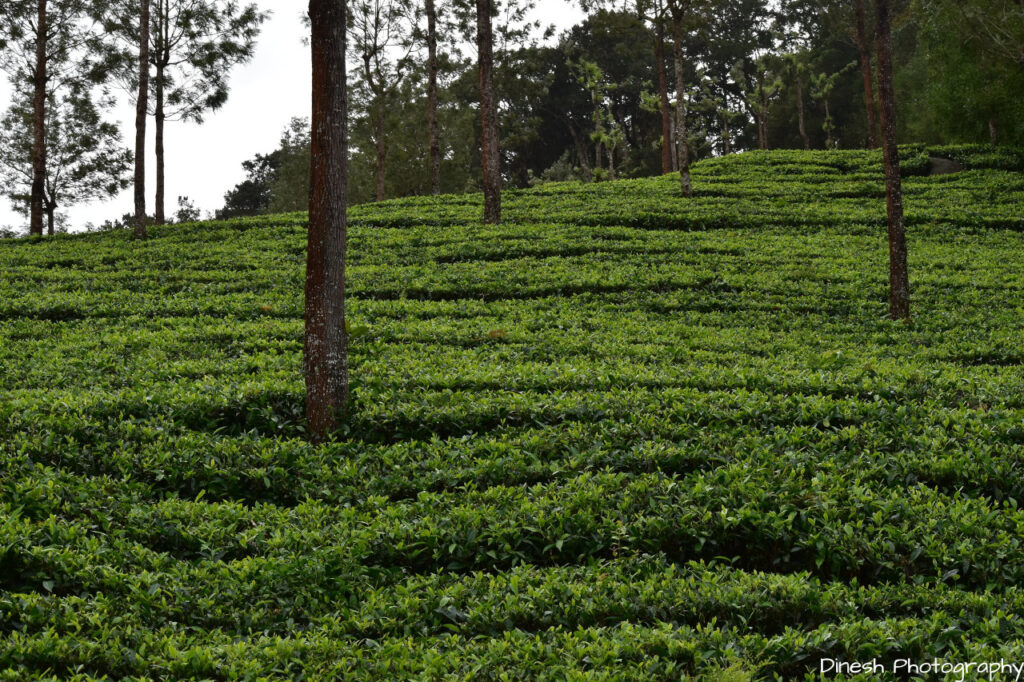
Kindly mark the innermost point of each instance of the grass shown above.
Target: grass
(621, 436)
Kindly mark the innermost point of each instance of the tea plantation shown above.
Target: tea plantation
(622, 436)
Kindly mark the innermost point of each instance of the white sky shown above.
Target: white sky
(204, 161)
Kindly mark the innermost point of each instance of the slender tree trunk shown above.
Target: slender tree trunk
(800, 112)
(899, 282)
(326, 344)
(682, 139)
(597, 132)
(726, 143)
(39, 124)
(666, 115)
(829, 142)
(160, 117)
(993, 132)
(382, 150)
(611, 162)
(141, 108)
(435, 145)
(51, 209)
(865, 69)
(488, 114)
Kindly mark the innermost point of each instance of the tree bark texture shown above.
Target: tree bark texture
(488, 114)
(141, 108)
(432, 124)
(325, 355)
(679, 9)
(899, 283)
(865, 68)
(39, 124)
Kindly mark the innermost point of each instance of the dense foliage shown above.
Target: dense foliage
(622, 436)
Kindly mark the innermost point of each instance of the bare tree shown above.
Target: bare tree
(488, 113)
(325, 354)
(899, 282)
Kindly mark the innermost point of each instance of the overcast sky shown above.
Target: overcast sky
(204, 161)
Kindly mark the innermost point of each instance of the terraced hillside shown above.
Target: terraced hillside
(622, 436)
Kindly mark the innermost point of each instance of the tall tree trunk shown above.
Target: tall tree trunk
(666, 115)
(435, 145)
(141, 108)
(488, 114)
(682, 139)
(800, 112)
(597, 132)
(993, 131)
(160, 117)
(899, 282)
(39, 124)
(382, 150)
(865, 69)
(726, 143)
(51, 209)
(326, 345)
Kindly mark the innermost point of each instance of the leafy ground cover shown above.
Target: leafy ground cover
(621, 436)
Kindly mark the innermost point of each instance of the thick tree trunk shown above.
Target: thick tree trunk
(382, 150)
(800, 112)
(140, 122)
(160, 118)
(326, 345)
(666, 115)
(682, 139)
(899, 282)
(39, 124)
(488, 114)
(865, 69)
(432, 125)
(993, 131)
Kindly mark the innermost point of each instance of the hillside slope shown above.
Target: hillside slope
(622, 436)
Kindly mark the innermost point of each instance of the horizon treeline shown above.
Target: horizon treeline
(597, 101)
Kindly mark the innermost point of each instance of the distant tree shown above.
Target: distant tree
(47, 43)
(325, 353)
(863, 40)
(85, 159)
(491, 160)
(822, 85)
(380, 33)
(187, 211)
(141, 102)
(289, 190)
(252, 195)
(680, 13)
(899, 283)
(796, 67)
(277, 182)
(193, 46)
(430, 10)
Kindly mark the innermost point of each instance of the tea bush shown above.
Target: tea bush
(622, 435)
